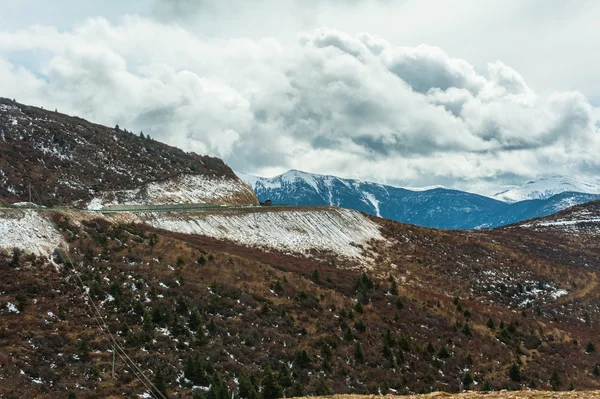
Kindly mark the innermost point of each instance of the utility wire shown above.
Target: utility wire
(106, 332)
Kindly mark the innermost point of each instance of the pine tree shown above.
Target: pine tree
(467, 330)
(467, 380)
(359, 356)
(194, 320)
(555, 381)
(321, 387)
(246, 389)
(160, 382)
(430, 347)
(589, 348)
(514, 372)
(270, 386)
(596, 371)
(315, 276)
(218, 388)
(302, 360)
(197, 370)
(443, 353)
(394, 287)
(490, 324)
(298, 389)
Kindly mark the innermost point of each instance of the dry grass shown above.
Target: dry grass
(482, 395)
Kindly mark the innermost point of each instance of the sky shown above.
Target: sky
(462, 94)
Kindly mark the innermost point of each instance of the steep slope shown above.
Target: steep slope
(315, 299)
(68, 161)
(547, 187)
(437, 207)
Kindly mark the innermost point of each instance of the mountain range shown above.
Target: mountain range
(429, 207)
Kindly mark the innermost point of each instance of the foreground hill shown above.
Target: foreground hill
(268, 302)
(69, 161)
(435, 207)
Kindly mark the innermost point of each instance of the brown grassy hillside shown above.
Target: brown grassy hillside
(434, 311)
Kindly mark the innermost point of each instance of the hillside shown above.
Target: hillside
(428, 207)
(69, 161)
(318, 300)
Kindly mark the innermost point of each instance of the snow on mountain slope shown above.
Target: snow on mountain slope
(29, 230)
(546, 187)
(186, 189)
(296, 231)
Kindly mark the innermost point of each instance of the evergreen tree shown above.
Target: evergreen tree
(486, 386)
(430, 347)
(147, 324)
(198, 370)
(596, 371)
(467, 330)
(399, 304)
(555, 381)
(270, 386)
(467, 381)
(194, 320)
(302, 360)
(589, 348)
(246, 389)
(297, 389)
(160, 382)
(443, 353)
(394, 287)
(514, 372)
(218, 388)
(490, 324)
(315, 276)
(359, 356)
(321, 387)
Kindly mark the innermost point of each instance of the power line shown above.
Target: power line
(107, 334)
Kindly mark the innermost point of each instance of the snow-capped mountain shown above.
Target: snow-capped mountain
(546, 187)
(430, 207)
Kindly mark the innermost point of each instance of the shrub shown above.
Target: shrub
(589, 348)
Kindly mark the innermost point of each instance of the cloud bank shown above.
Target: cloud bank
(352, 105)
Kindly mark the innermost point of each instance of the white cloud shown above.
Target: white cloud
(352, 105)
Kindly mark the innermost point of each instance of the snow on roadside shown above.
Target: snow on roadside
(298, 231)
(29, 230)
(187, 189)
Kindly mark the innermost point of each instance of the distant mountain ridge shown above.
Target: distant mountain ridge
(437, 207)
(546, 187)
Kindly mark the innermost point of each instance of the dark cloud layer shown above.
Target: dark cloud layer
(352, 105)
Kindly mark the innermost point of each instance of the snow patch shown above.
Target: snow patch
(374, 201)
(28, 230)
(299, 231)
(187, 189)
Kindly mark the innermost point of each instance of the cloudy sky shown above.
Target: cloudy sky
(465, 93)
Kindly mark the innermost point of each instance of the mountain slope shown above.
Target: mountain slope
(68, 161)
(195, 294)
(438, 207)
